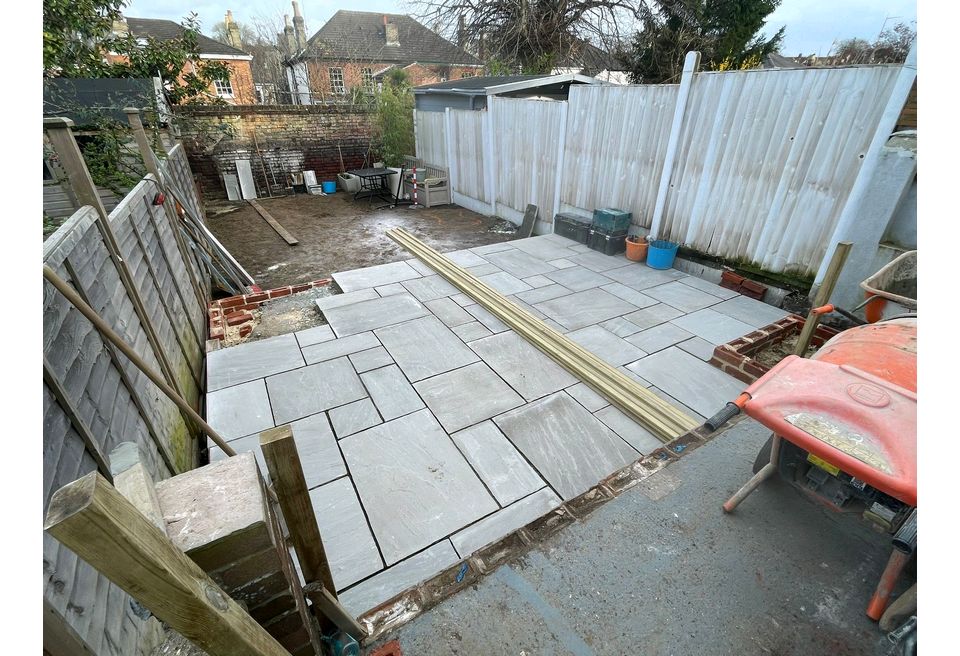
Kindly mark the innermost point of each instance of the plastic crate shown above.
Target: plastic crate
(611, 219)
(608, 243)
(572, 227)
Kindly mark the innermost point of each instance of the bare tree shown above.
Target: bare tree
(890, 47)
(530, 34)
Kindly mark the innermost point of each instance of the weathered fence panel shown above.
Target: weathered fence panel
(767, 158)
(616, 141)
(92, 392)
(431, 135)
(468, 168)
(526, 138)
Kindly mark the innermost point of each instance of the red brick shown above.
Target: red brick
(731, 278)
(236, 318)
(255, 298)
(248, 306)
(301, 288)
(245, 330)
(392, 648)
(231, 302)
(216, 333)
(283, 291)
(321, 283)
(723, 354)
(754, 369)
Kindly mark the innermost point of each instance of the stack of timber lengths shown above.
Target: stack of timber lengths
(649, 410)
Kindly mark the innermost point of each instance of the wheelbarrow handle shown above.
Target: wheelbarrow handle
(729, 411)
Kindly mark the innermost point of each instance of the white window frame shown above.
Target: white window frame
(366, 75)
(342, 91)
(224, 88)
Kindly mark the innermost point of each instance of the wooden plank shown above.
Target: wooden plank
(655, 414)
(96, 522)
(286, 473)
(529, 219)
(273, 223)
(59, 638)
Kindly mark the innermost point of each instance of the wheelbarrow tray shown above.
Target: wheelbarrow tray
(853, 420)
(896, 281)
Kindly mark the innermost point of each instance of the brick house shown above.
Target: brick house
(237, 90)
(354, 50)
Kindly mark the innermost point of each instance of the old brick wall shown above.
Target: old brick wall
(291, 139)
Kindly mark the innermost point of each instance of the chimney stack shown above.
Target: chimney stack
(391, 32)
(288, 34)
(299, 28)
(461, 32)
(233, 31)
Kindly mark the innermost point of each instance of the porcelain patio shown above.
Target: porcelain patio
(428, 429)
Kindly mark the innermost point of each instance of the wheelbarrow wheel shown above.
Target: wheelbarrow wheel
(764, 456)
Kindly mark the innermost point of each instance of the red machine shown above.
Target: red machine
(845, 431)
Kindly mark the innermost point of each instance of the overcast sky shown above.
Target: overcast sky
(812, 25)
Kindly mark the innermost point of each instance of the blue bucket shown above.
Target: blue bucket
(661, 253)
(329, 187)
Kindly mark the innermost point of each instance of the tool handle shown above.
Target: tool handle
(728, 412)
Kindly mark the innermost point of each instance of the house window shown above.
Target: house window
(336, 81)
(223, 87)
(467, 74)
(366, 74)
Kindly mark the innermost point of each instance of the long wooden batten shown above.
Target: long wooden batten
(645, 407)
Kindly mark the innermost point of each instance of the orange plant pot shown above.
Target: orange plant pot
(636, 250)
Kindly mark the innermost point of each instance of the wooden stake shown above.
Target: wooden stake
(286, 472)
(822, 297)
(134, 482)
(94, 521)
(273, 223)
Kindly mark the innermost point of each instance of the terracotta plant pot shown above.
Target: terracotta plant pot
(636, 248)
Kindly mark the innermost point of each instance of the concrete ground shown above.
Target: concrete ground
(337, 234)
(661, 570)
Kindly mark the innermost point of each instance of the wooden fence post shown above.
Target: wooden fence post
(150, 162)
(286, 472)
(60, 135)
(486, 131)
(561, 148)
(690, 66)
(451, 151)
(97, 523)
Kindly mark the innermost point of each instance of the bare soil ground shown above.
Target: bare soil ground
(338, 234)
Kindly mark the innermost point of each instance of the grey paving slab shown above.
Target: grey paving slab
(489, 321)
(587, 397)
(354, 417)
(375, 313)
(714, 327)
(578, 278)
(558, 239)
(249, 443)
(633, 433)
(337, 348)
(415, 485)
(449, 312)
(569, 447)
(471, 331)
(420, 267)
(425, 347)
(545, 293)
(314, 335)
(312, 389)
(579, 248)
(375, 276)
(466, 258)
(391, 392)
(562, 263)
(675, 403)
(239, 410)
(633, 375)
(709, 287)
(525, 368)
(339, 300)
(347, 541)
(519, 263)
(654, 315)
(599, 262)
(429, 288)
(688, 379)
(319, 454)
(483, 270)
(553, 324)
(584, 308)
(486, 249)
(640, 276)
(387, 584)
(659, 337)
(606, 345)
(465, 396)
(698, 347)
(498, 463)
(505, 283)
(252, 360)
(538, 281)
(542, 249)
(506, 521)
(750, 311)
(620, 327)
(391, 289)
(462, 300)
(370, 359)
(529, 308)
(629, 294)
(681, 296)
